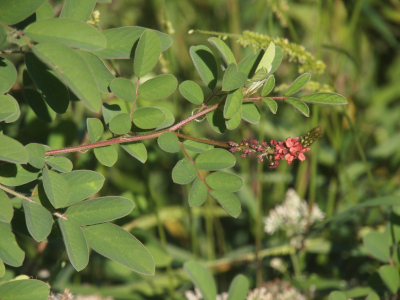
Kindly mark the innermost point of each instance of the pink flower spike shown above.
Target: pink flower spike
(302, 157)
(289, 142)
(289, 158)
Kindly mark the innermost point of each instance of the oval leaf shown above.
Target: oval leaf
(299, 105)
(56, 188)
(192, 92)
(268, 86)
(106, 155)
(8, 74)
(110, 111)
(12, 12)
(238, 288)
(300, 82)
(233, 79)
(228, 201)
(12, 151)
(24, 289)
(137, 150)
(215, 159)
(121, 42)
(223, 181)
(123, 88)
(10, 253)
(83, 184)
(75, 243)
(204, 61)
(37, 154)
(8, 106)
(73, 70)
(120, 124)
(147, 53)
(223, 50)
(59, 163)
(248, 64)
(336, 295)
(198, 193)
(169, 118)
(95, 129)
(273, 106)
(267, 58)
(184, 172)
(16, 175)
(234, 122)
(6, 211)
(158, 87)
(196, 146)
(377, 245)
(202, 279)
(148, 117)
(38, 220)
(70, 32)
(169, 142)
(117, 244)
(99, 210)
(277, 60)
(77, 9)
(250, 113)
(390, 276)
(325, 98)
(233, 103)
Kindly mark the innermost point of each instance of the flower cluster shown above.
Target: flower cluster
(288, 150)
(294, 217)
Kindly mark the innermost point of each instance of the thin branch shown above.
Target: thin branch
(14, 193)
(205, 141)
(259, 98)
(14, 51)
(134, 102)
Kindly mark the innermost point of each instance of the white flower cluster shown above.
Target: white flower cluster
(275, 290)
(294, 217)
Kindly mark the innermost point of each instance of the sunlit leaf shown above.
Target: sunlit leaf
(169, 142)
(298, 84)
(158, 87)
(299, 105)
(8, 73)
(325, 98)
(24, 289)
(215, 159)
(233, 79)
(223, 50)
(192, 92)
(202, 279)
(205, 64)
(123, 88)
(223, 181)
(77, 9)
(12, 151)
(198, 193)
(56, 188)
(147, 53)
(137, 150)
(38, 220)
(184, 172)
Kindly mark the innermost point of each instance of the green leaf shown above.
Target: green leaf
(120, 124)
(158, 87)
(148, 117)
(59, 163)
(215, 159)
(102, 76)
(169, 118)
(56, 188)
(137, 150)
(75, 243)
(372, 296)
(249, 63)
(223, 50)
(99, 210)
(53, 91)
(228, 201)
(37, 154)
(233, 79)
(83, 184)
(336, 295)
(95, 129)
(169, 142)
(202, 279)
(196, 146)
(12, 151)
(7, 211)
(10, 253)
(233, 103)
(69, 32)
(77, 9)
(147, 53)
(198, 193)
(216, 120)
(106, 155)
(14, 117)
(325, 98)
(44, 12)
(38, 220)
(273, 106)
(8, 106)
(121, 42)
(73, 70)
(110, 111)
(298, 84)
(16, 175)
(2, 269)
(8, 73)
(390, 276)
(192, 92)
(234, 122)
(184, 172)
(24, 289)
(39, 106)
(239, 288)
(117, 244)
(205, 64)
(250, 113)
(267, 58)
(223, 181)
(377, 245)
(277, 59)
(12, 12)
(268, 86)
(299, 105)
(123, 88)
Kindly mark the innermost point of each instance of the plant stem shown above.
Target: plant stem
(14, 193)
(209, 218)
(134, 102)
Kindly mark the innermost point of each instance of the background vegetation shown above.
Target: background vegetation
(358, 159)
